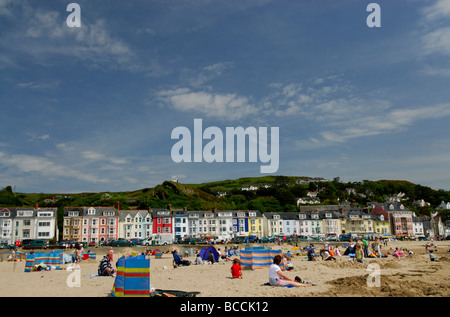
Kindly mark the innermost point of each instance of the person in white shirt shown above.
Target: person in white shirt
(277, 278)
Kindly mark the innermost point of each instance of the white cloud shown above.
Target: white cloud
(440, 9)
(437, 41)
(95, 156)
(34, 137)
(212, 105)
(43, 34)
(26, 164)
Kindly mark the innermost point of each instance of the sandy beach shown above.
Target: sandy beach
(412, 276)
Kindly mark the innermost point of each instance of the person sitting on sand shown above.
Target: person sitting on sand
(432, 258)
(105, 268)
(326, 256)
(210, 259)
(198, 260)
(236, 269)
(178, 260)
(223, 256)
(398, 254)
(278, 278)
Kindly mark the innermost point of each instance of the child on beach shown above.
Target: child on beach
(336, 250)
(288, 266)
(198, 260)
(236, 269)
(432, 258)
(359, 253)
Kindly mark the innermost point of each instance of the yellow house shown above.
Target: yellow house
(255, 223)
(380, 225)
(248, 222)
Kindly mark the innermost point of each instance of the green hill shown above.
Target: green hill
(281, 196)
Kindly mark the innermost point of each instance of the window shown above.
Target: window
(45, 214)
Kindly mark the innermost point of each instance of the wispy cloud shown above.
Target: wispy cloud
(44, 34)
(439, 9)
(44, 167)
(435, 38)
(35, 137)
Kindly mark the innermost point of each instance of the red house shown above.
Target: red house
(162, 220)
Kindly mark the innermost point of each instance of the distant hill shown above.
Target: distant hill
(281, 196)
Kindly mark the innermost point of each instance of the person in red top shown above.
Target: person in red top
(236, 269)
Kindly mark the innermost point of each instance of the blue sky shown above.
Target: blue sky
(93, 108)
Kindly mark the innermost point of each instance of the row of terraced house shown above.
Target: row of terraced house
(96, 224)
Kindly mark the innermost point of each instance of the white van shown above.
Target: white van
(159, 239)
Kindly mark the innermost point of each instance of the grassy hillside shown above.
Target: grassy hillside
(281, 196)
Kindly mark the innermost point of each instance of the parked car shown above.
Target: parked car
(121, 243)
(107, 242)
(36, 244)
(332, 238)
(345, 237)
(267, 240)
(92, 244)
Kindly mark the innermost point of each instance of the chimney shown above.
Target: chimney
(342, 211)
(169, 206)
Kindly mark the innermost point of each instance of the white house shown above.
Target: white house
(443, 205)
(308, 201)
(290, 223)
(17, 224)
(272, 224)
